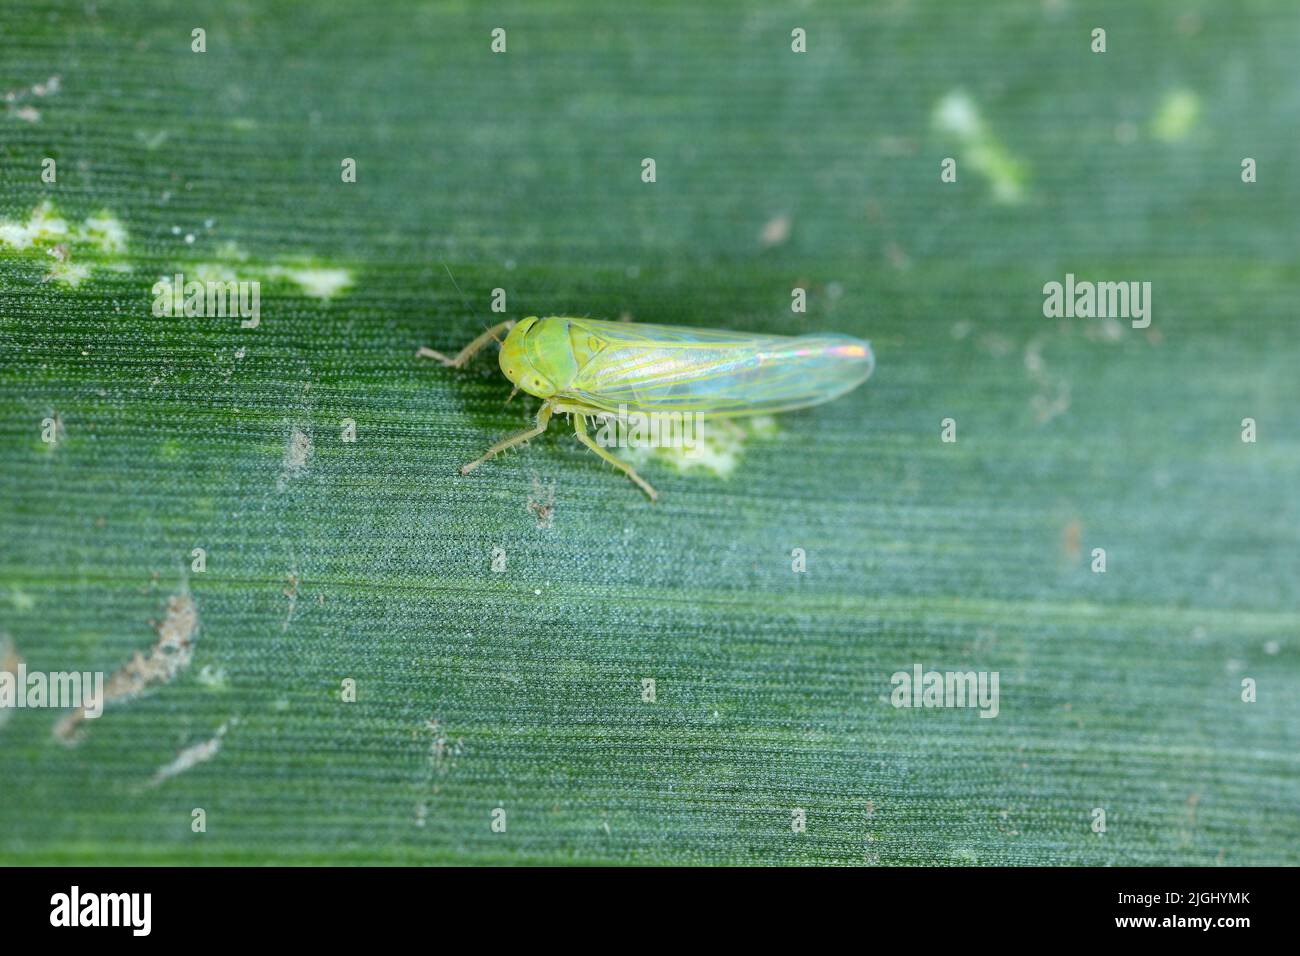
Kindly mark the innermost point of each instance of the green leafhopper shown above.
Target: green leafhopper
(590, 368)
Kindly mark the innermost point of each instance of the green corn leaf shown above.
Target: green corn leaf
(505, 716)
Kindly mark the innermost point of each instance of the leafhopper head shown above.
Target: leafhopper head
(537, 356)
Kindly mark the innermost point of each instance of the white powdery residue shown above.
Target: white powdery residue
(49, 87)
(212, 272)
(231, 250)
(100, 236)
(776, 231)
(319, 283)
(38, 90)
(104, 233)
(211, 677)
(297, 455)
(233, 263)
(718, 447)
(956, 114)
(25, 111)
(43, 227)
(192, 756)
(66, 272)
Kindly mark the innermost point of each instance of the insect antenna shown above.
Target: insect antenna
(465, 300)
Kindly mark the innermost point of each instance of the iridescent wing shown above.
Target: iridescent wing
(710, 371)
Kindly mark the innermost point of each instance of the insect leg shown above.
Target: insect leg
(543, 419)
(469, 351)
(580, 427)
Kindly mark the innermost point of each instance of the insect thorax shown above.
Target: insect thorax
(550, 348)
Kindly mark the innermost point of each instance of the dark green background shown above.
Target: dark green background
(522, 171)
